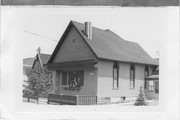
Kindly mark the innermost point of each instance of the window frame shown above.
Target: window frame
(115, 66)
(75, 74)
(152, 86)
(132, 66)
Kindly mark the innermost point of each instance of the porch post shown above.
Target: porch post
(77, 100)
(54, 82)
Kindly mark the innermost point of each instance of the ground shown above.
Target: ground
(33, 110)
(43, 101)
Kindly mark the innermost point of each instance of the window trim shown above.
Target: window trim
(116, 65)
(134, 77)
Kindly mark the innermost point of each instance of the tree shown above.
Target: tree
(140, 100)
(38, 84)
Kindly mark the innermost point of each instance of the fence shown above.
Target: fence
(87, 100)
(72, 100)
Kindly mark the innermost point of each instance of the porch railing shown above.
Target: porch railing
(87, 100)
(72, 100)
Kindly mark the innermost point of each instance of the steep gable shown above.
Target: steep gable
(73, 48)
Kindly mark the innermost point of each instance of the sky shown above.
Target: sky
(146, 26)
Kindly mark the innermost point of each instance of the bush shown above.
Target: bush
(39, 84)
(140, 100)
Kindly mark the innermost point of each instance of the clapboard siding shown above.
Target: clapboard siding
(74, 48)
(105, 80)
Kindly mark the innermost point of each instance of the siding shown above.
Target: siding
(74, 48)
(89, 88)
(105, 80)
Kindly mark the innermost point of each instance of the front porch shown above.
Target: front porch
(75, 82)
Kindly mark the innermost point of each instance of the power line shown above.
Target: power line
(41, 36)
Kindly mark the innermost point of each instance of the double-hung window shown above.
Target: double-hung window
(115, 76)
(132, 76)
(151, 85)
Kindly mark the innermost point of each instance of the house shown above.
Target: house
(40, 60)
(152, 84)
(40, 66)
(27, 63)
(92, 66)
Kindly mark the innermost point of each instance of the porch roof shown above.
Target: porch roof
(81, 64)
(152, 77)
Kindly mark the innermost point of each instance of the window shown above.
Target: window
(146, 73)
(151, 85)
(72, 79)
(132, 77)
(156, 87)
(115, 76)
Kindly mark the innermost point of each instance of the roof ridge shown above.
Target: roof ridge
(109, 30)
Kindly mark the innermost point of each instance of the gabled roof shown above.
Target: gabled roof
(43, 59)
(28, 61)
(105, 44)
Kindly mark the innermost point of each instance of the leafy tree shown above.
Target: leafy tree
(140, 100)
(39, 83)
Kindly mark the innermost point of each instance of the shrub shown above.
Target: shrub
(140, 100)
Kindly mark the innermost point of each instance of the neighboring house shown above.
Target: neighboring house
(40, 65)
(152, 84)
(90, 63)
(27, 63)
(40, 60)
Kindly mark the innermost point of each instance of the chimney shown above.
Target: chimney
(39, 50)
(88, 30)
